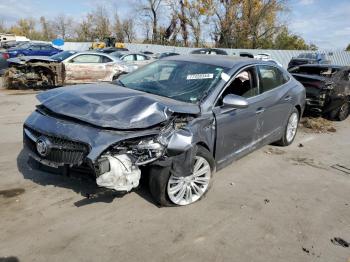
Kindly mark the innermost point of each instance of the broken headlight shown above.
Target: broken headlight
(142, 151)
(147, 151)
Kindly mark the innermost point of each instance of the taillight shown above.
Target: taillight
(5, 55)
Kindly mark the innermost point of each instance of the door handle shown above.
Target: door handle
(260, 110)
(287, 98)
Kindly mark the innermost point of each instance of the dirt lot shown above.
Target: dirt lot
(277, 204)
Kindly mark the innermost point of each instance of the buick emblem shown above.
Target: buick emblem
(43, 146)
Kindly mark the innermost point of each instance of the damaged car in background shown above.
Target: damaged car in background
(67, 67)
(175, 121)
(327, 89)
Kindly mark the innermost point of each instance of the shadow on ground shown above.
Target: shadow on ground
(81, 183)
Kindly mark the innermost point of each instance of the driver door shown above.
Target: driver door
(239, 130)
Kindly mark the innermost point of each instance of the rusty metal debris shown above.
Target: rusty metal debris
(317, 125)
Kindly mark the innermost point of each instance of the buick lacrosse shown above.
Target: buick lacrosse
(177, 121)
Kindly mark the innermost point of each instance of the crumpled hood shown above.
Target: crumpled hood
(112, 106)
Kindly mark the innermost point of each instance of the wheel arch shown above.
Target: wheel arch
(298, 107)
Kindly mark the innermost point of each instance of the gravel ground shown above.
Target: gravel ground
(276, 204)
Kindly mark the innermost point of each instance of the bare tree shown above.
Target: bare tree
(2, 26)
(101, 21)
(128, 29)
(85, 30)
(46, 29)
(25, 27)
(150, 10)
(118, 28)
(62, 25)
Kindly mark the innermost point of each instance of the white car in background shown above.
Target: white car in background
(67, 67)
(267, 57)
(135, 59)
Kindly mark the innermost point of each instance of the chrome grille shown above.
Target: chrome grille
(62, 151)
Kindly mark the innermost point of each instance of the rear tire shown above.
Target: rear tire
(163, 184)
(340, 113)
(290, 129)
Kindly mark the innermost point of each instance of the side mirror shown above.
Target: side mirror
(235, 101)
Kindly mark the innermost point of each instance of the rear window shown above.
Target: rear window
(270, 78)
(308, 56)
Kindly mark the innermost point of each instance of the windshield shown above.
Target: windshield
(62, 55)
(308, 55)
(179, 80)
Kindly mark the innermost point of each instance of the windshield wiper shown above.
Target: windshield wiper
(120, 82)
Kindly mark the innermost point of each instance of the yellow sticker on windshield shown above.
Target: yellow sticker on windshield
(200, 76)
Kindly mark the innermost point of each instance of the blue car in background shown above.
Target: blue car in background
(33, 49)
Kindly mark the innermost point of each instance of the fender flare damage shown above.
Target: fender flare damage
(178, 155)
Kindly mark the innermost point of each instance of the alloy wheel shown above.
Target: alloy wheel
(292, 127)
(186, 190)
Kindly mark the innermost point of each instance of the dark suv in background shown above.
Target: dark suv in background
(308, 58)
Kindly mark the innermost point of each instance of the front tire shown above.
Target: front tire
(170, 190)
(290, 129)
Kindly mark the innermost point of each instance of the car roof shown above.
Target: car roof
(320, 65)
(222, 61)
(130, 53)
(42, 44)
(96, 53)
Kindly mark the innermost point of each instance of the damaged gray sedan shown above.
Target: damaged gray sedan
(176, 121)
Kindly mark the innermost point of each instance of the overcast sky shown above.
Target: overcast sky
(322, 22)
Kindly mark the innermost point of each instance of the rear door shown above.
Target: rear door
(276, 96)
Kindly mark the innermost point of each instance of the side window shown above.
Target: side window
(86, 59)
(45, 47)
(105, 59)
(34, 47)
(128, 58)
(270, 77)
(245, 84)
(140, 58)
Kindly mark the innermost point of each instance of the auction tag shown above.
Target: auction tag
(200, 76)
(225, 77)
